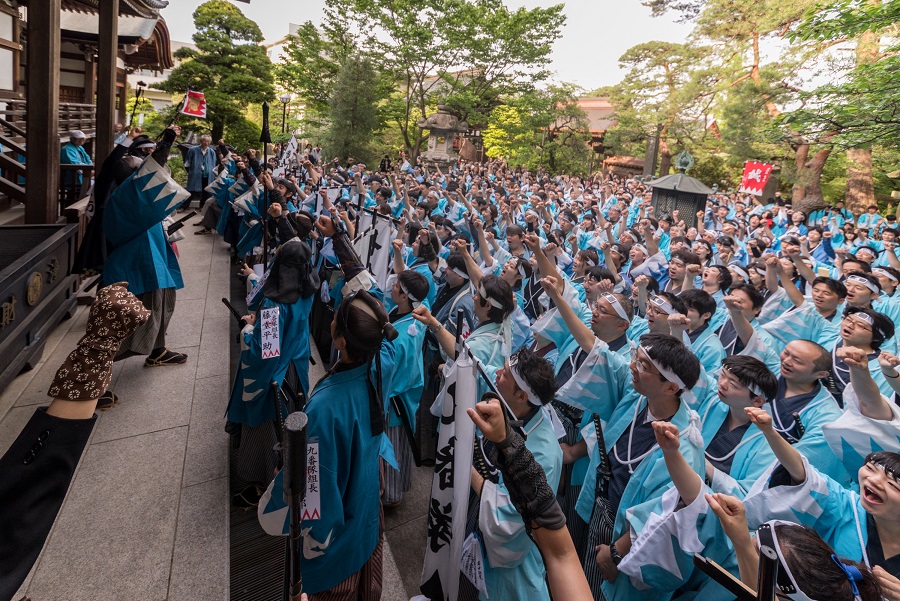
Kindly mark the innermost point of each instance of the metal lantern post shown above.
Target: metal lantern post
(285, 100)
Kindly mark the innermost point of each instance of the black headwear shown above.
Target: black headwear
(292, 275)
(140, 143)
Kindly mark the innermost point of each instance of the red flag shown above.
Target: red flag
(755, 177)
(714, 128)
(194, 104)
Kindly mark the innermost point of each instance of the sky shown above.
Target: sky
(596, 33)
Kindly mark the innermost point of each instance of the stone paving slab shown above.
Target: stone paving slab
(119, 520)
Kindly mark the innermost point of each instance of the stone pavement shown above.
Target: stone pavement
(149, 505)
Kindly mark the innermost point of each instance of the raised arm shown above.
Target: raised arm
(582, 334)
(775, 271)
(545, 265)
(871, 402)
(743, 327)
(686, 480)
(789, 457)
(889, 363)
(475, 273)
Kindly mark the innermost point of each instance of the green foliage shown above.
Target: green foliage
(176, 166)
(243, 134)
(228, 66)
(352, 111)
(464, 53)
(541, 127)
(312, 60)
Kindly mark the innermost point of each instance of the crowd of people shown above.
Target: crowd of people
(655, 385)
(680, 380)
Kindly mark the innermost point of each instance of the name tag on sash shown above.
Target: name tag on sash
(255, 290)
(270, 337)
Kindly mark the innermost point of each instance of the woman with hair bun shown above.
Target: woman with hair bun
(346, 434)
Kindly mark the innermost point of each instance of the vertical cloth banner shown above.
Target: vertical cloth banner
(449, 504)
(755, 177)
(373, 246)
(194, 104)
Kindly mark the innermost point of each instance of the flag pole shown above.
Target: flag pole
(265, 137)
(180, 106)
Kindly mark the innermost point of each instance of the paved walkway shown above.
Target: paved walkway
(148, 507)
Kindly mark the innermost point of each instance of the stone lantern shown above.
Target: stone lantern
(680, 191)
(444, 127)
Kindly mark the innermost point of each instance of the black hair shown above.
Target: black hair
(428, 250)
(500, 291)
(415, 282)
(600, 273)
(883, 326)
(890, 270)
(384, 192)
(686, 257)
(725, 280)
(674, 356)
(363, 332)
(699, 300)
(455, 260)
(834, 285)
(750, 371)
(653, 286)
(681, 239)
(863, 266)
(755, 295)
(589, 254)
(538, 373)
(867, 276)
(888, 460)
(673, 299)
(515, 230)
(809, 558)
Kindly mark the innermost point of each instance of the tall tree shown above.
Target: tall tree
(465, 53)
(541, 128)
(229, 66)
(856, 107)
(353, 113)
(312, 59)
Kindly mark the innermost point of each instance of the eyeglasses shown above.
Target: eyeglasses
(857, 323)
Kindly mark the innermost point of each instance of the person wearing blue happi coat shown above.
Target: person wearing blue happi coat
(342, 537)
(140, 251)
(74, 153)
(661, 370)
(513, 568)
(288, 289)
(409, 290)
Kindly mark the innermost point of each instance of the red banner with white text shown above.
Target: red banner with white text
(755, 177)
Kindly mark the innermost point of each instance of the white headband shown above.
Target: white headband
(460, 273)
(492, 301)
(786, 586)
(752, 387)
(617, 306)
(886, 274)
(661, 303)
(864, 317)
(864, 282)
(415, 302)
(741, 271)
(642, 248)
(521, 383)
(666, 373)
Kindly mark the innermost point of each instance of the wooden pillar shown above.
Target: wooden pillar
(42, 122)
(90, 80)
(106, 78)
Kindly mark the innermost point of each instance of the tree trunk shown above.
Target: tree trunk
(811, 177)
(218, 131)
(860, 185)
(665, 158)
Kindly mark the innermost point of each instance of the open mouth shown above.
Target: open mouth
(871, 496)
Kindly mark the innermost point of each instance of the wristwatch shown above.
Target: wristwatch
(614, 554)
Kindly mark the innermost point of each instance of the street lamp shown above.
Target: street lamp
(285, 99)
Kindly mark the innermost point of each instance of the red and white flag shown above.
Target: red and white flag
(714, 128)
(194, 104)
(755, 177)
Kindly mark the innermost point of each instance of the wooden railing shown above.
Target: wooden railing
(13, 154)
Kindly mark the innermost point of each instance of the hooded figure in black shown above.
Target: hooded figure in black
(275, 338)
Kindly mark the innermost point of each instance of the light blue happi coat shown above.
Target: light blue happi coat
(513, 568)
(408, 380)
(804, 323)
(252, 401)
(132, 223)
(343, 538)
(709, 350)
(751, 455)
